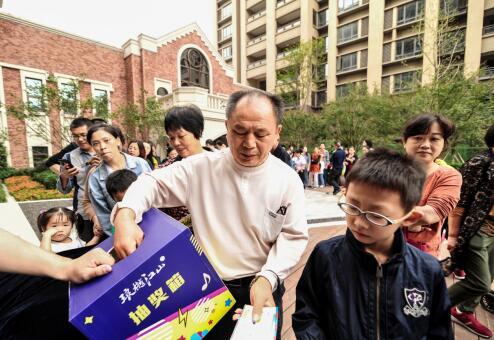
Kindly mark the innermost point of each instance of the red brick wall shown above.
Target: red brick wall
(34, 47)
(16, 128)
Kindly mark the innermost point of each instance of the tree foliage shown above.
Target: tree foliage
(297, 80)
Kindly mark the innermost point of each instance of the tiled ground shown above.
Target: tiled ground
(318, 234)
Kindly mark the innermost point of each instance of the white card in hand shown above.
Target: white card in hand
(265, 329)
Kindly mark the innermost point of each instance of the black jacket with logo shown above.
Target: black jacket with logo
(344, 294)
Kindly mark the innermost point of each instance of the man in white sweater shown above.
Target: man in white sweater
(256, 230)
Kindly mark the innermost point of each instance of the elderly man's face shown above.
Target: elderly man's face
(252, 131)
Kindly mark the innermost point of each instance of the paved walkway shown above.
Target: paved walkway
(14, 221)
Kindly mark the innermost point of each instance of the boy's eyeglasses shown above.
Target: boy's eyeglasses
(372, 217)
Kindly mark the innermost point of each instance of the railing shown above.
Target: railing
(345, 9)
(216, 102)
(487, 72)
(282, 55)
(257, 15)
(256, 64)
(408, 55)
(342, 40)
(283, 2)
(224, 16)
(288, 27)
(256, 40)
(488, 29)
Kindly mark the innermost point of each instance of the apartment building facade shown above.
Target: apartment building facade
(370, 42)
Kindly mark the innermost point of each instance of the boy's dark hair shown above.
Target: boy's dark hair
(489, 137)
(99, 121)
(188, 117)
(276, 102)
(80, 121)
(421, 124)
(386, 169)
(45, 216)
(119, 181)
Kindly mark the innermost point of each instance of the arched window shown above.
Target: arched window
(161, 91)
(194, 69)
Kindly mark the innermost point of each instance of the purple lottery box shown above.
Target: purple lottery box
(167, 289)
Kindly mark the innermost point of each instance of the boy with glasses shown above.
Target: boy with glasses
(370, 284)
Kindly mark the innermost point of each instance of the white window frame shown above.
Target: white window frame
(344, 5)
(222, 11)
(228, 29)
(419, 8)
(167, 84)
(354, 35)
(417, 49)
(229, 47)
(3, 119)
(31, 139)
(101, 87)
(351, 67)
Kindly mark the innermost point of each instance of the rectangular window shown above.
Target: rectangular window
(34, 93)
(322, 18)
(410, 12)
(404, 82)
(227, 52)
(348, 32)
(226, 11)
(100, 98)
(40, 154)
(226, 32)
(68, 98)
(408, 47)
(344, 5)
(342, 90)
(347, 62)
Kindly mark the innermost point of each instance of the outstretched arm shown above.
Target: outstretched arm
(19, 256)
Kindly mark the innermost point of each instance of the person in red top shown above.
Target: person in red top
(424, 138)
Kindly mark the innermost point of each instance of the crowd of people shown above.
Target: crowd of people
(383, 278)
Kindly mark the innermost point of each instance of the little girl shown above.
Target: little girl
(59, 234)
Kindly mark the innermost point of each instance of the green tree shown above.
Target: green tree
(144, 118)
(296, 81)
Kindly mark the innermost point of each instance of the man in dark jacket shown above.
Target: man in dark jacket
(337, 160)
(370, 284)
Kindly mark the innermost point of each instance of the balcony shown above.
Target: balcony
(488, 30)
(257, 20)
(256, 64)
(256, 69)
(286, 7)
(256, 45)
(208, 103)
(487, 73)
(252, 3)
(354, 7)
(488, 43)
(288, 33)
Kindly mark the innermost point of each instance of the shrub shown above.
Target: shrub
(3, 156)
(9, 172)
(47, 178)
(23, 188)
(3, 195)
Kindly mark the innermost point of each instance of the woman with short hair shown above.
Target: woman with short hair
(424, 139)
(106, 141)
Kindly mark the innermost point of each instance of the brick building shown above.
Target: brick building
(182, 67)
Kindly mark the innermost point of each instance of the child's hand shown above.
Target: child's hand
(50, 232)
